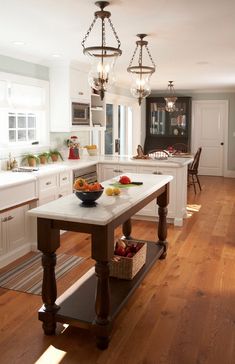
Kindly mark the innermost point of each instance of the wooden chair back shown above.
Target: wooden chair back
(194, 166)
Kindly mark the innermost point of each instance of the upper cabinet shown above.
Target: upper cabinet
(165, 128)
(70, 85)
(79, 88)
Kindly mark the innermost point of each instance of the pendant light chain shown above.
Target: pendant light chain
(114, 32)
(88, 32)
(132, 59)
(151, 58)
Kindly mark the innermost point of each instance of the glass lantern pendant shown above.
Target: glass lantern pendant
(140, 87)
(171, 99)
(102, 57)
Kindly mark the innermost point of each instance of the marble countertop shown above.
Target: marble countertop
(9, 178)
(70, 208)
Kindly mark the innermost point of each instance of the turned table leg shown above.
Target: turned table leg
(102, 305)
(162, 202)
(48, 242)
(126, 229)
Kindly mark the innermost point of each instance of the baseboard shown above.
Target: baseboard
(229, 174)
(9, 257)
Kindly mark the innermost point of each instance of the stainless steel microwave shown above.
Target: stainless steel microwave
(80, 113)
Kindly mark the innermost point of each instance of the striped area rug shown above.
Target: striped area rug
(27, 276)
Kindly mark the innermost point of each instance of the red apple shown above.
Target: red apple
(120, 251)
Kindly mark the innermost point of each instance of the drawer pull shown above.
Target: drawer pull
(157, 172)
(80, 93)
(64, 178)
(48, 183)
(7, 218)
(60, 195)
(118, 171)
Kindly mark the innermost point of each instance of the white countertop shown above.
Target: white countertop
(70, 208)
(8, 178)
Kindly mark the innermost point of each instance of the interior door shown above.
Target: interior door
(209, 128)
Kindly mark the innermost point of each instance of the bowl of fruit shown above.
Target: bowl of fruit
(88, 193)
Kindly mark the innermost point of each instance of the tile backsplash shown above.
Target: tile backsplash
(57, 140)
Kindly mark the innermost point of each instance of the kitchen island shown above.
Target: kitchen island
(95, 300)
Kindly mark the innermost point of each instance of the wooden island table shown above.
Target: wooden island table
(95, 299)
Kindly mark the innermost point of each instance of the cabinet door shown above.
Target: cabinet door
(16, 228)
(108, 171)
(79, 87)
(3, 242)
(151, 208)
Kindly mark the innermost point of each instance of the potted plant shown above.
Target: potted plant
(55, 155)
(31, 159)
(43, 157)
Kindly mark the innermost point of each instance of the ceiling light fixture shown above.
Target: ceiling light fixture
(171, 99)
(102, 57)
(18, 43)
(140, 87)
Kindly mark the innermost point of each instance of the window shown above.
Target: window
(24, 112)
(22, 127)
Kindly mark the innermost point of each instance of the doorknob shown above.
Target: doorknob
(222, 143)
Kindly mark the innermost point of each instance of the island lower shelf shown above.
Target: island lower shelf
(77, 303)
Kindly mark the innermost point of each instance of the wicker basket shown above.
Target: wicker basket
(127, 268)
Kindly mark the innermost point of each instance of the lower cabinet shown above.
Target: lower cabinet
(14, 237)
(151, 208)
(108, 171)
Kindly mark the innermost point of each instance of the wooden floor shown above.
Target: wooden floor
(183, 313)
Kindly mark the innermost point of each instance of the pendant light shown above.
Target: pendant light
(102, 57)
(171, 99)
(141, 74)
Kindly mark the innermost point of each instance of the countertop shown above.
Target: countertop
(9, 178)
(70, 208)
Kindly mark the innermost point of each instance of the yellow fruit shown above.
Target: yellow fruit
(116, 191)
(109, 191)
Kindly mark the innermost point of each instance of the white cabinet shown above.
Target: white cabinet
(79, 87)
(151, 208)
(66, 85)
(65, 184)
(47, 190)
(14, 239)
(54, 186)
(108, 171)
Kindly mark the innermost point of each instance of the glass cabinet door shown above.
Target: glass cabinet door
(158, 119)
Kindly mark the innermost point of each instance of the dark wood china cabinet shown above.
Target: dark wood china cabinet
(163, 128)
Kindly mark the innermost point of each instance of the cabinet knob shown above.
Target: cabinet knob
(157, 172)
(60, 195)
(80, 93)
(64, 178)
(48, 183)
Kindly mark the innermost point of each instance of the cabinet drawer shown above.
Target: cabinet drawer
(64, 178)
(47, 183)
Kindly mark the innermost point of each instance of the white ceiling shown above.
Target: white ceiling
(191, 41)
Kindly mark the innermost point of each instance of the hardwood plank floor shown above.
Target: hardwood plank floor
(183, 312)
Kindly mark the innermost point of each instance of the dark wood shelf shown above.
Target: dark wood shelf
(78, 306)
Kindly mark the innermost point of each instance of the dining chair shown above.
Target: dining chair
(193, 170)
(158, 154)
(180, 147)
